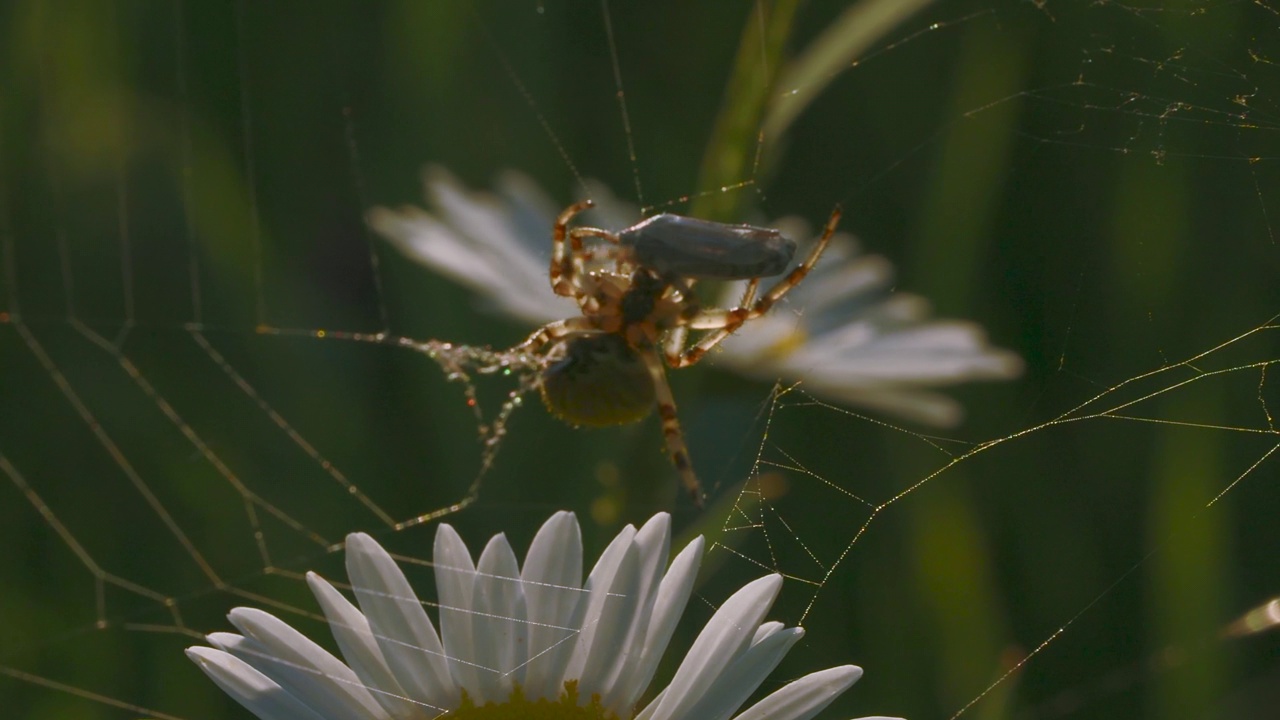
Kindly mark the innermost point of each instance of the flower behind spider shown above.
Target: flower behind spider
(519, 642)
(855, 342)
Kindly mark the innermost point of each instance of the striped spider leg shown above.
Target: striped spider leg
(636, 295)
(721, 323)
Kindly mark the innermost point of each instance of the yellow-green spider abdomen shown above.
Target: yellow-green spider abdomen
(600, 381)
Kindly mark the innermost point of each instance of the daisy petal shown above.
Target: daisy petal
(455, 576)
(765, 631)
(806, 697)
(498, 615)
(673, 596)
(360, 649)
(612, 627)
(596, 588)
(726, 635)
(400, 624)
(255, 691)
(653, 543)
(740, 680)
(539, 629)
(310, 669)
(300, 683)
(555, 601)
(854, 328)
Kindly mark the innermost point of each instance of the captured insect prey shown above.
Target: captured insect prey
(635, 290)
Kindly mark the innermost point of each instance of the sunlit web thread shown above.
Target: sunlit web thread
(459, 363)
(72, 398)
(622, 99)
(288, 429)
(101, 578)
(79, 692)
(456, 361)
(762, 23)
(357, 176)
(1075, 414)
(115, 350)
(740, 519)
(527, 96)
(196, 328)
(752, 495)
(1263, 370)
(686, 199)
(1083, 412)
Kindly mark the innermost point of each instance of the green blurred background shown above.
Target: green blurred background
(1095, 184)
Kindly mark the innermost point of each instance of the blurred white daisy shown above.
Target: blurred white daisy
(516, 643)
(850, 339)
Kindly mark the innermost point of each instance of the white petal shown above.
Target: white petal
(455, 575)
(597, 586)
(766, 630)
(612, 628)
(742, 678)
(498, 627)
(726, 635)
(256, 692)
(653, 544)
(309, 671)
(653, 540)
(400, 624)
(359, 648)
(668, 606)
(494, 234)
(429, 241)
(552, 577)
(806, 697)
(300, 684)
(648, 711)
(531, 212)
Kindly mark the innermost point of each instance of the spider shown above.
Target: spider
(635, 290)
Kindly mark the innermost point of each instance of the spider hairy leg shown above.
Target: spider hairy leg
(560, 268)
(723, 323)
(671, 431)
(749, 295)
(551, 332)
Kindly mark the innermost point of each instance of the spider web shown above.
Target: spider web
(205, 387)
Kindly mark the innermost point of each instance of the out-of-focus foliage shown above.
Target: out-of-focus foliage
(1095, 183)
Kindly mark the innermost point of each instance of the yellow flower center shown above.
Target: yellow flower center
(518, 707)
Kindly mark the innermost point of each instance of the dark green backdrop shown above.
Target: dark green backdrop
(1096, 184)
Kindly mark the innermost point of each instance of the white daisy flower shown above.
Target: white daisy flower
(852, 339)
(515, 643)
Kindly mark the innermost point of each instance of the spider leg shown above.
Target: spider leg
(723, 323)
(671, 425)
(673, 345)
(561, 284)
(554, 331)
(684, 307)
(599, 256)
(578, 254)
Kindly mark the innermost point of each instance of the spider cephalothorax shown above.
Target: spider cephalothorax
(635, 291)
